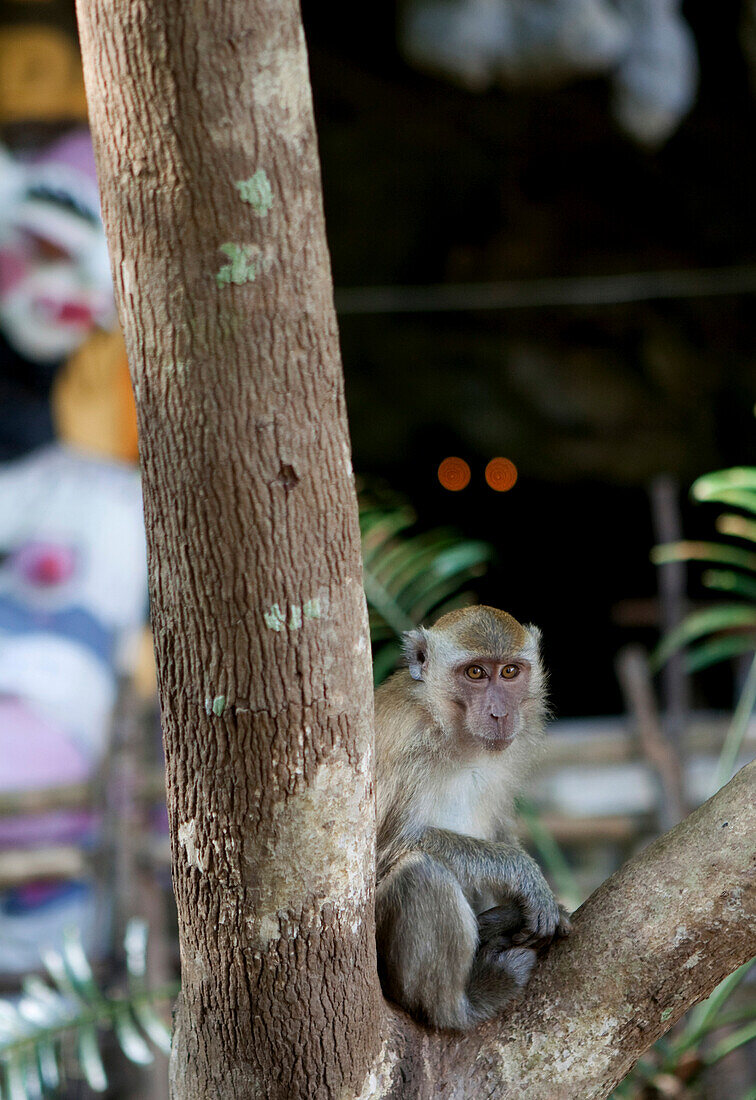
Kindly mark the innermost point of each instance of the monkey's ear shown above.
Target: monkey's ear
(535, 637)
(415, 647)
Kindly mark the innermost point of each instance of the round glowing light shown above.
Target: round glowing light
(454, 474)
(501, 474)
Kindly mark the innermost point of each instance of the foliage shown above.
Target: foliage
(56, 1024)
(728, 629)
(674, 1066)
(410, 577)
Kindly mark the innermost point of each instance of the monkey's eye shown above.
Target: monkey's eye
(475, 672)
(510, 671)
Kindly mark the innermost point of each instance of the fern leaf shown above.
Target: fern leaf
(90, 1058)
(132, 1042)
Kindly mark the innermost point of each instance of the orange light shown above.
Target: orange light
(454, 474)
(501, 474)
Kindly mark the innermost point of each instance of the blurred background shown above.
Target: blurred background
(540, 215)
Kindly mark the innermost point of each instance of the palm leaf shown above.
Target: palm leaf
(725, 616)
(411, 577)
(729, 629)
(737, 526)
(719, 649)
(722, 484)
(39, 1031)
(400, 563)
(378, 527)
(705, 551)
(727, 580)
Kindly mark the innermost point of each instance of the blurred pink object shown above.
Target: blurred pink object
(45, 563)
(35, 754)
(55, 284)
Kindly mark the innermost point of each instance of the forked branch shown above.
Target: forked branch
(653, 940)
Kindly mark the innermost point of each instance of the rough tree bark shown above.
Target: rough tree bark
(211, 198)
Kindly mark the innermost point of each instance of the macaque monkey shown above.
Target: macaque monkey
(461, 910)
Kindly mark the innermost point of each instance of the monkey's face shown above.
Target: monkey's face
(489, 696)
(478, 671)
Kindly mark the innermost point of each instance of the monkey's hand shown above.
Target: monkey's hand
(543, 919)
(504, 926)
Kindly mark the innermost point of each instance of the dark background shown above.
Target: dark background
(427, 183)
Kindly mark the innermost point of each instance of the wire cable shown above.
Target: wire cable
(552, 293)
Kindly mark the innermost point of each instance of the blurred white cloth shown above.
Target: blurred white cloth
(73, 587)
(73, 591)
(645, 47)
(59, 495)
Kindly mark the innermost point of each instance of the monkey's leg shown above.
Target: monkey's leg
(427, 935)
(428, 944)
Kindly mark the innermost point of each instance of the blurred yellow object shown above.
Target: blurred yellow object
(144, 673)
(92, 400)
(40, 75)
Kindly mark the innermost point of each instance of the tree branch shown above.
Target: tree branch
(653, 940)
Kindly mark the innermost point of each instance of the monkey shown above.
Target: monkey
(461, 910)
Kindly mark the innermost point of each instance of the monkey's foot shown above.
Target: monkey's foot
(498, 926)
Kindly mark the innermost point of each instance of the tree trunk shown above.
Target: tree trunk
(211, 198)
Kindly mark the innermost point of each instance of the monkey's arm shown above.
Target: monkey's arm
(506, 871)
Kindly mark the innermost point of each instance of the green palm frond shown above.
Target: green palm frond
(705, 623)
(735, 487)
(725, 630)
(59, 1021)
(718, 552)
(737, 526)
(411, 577)
(727, 580)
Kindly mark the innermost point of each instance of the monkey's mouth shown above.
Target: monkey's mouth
(496, 738)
